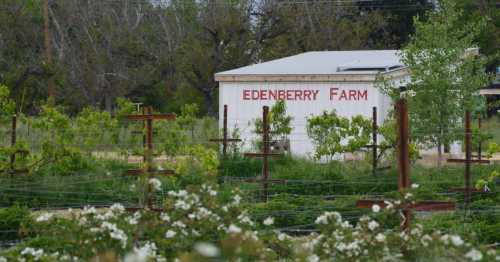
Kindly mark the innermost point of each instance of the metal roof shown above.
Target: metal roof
(325, 63)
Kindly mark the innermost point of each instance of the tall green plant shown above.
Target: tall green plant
(333, 134)
(7, 106)
(95, 127)
(445, 74)
(279, 122)
(187, 118)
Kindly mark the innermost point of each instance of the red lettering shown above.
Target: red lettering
(273, 94)
(315, 94)
(255, 94)
(281, 95)
(298, 94)
(363, 94)
(289, 95)
(343, 95)
(307, 94)
(246, 94)
(352, 94)
(263, 95)
(333, 92)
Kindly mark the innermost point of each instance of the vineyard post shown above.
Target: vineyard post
(374, 137)
(479, 149)
(148, 118)
(468, 161)
(468, 157)
(265, 138)
(265, 154)
(13, 138)
(403, 155)
(225, 140)
(403, 159)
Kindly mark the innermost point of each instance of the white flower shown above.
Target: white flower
(245, 219)
(282, 236)
(143, 253)
(269, 221)
(445, 239)
(380, 237)
(35, 253)
(155, 183)
(233, 229)
(237, 199)
(115, 233)
(456, 240)
(3, 259)
(206, 249)
(323, 219)
(416, 231)
(179, 224)
(165, 217)
(88, 210)
(117, 207)
(44, 217)
(388, 204)
(181, 204)
(312, 258)
(372, 225)
(408, 195)
(415, 186)
(474, 255)
(170, 234)
(133, 220)
(425, 240)
(375, 208)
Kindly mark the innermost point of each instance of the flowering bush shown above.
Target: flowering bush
(200, 223)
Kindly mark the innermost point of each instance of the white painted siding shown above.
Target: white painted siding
(242, 110)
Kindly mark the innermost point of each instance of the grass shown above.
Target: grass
(312, 188)
(492, 126)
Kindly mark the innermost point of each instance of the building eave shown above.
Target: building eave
(351, 77)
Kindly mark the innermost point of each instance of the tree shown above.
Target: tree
(445, 74)
(332, 134)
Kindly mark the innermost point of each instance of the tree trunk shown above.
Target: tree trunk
(440, 153)
(209, 99)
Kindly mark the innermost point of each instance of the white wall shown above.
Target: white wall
(304, 99)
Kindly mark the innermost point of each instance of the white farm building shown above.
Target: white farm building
(310, 83)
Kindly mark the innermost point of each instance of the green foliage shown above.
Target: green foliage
(479, 137)
(187, 118)
(11, 219)
(493, 148)
(90, 126)
(445, 74)
(58, 151)
(124, 107)
(171, 137)
(388, 131)
(488, 182)
(278, 120)
(333, 134)
(197, 160)
(204, 223)
(173, 233)
(7, 106)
